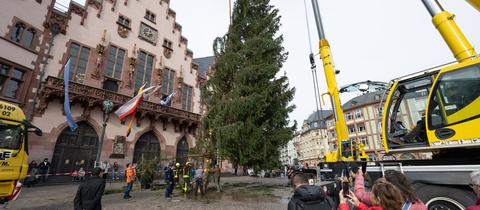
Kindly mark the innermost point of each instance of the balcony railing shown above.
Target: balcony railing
(94, 96)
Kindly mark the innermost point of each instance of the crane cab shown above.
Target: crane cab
(433, 109)
(14, 130)
(453, 111)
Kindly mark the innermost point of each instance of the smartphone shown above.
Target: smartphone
(345, 188)
(364, 167)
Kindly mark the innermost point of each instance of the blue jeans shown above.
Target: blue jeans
(127, 190)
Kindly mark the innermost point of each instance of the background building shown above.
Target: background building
(288, 153)
(114, 47)
(312, 143)
(363, 116)
(363, 119)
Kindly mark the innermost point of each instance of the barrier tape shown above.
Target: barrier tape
(66, 174)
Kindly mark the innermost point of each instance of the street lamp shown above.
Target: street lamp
(107, 107)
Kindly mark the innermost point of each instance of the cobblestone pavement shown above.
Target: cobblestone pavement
(239, 193)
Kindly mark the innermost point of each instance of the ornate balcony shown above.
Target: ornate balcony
(54, 88)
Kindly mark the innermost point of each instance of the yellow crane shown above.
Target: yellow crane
(449, 96)
(435, 110)
(345, 150)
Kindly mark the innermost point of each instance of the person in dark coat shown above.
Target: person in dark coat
(169, 181)
(89, 194)
(44, 167)
(307, 196)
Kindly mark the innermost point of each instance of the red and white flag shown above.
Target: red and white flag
(131, 106)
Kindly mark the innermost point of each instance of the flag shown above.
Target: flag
(130, 107)
(167, 99)
(66, 104)
(129, 127)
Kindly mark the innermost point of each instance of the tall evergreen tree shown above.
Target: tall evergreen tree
(248, 104)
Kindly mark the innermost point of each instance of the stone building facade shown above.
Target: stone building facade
(312, 143)
(363, 119)
(288, 152)
(114, 46)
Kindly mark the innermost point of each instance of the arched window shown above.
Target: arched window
(75, 149)
(147, 146)
(182, 151)
(22, 35)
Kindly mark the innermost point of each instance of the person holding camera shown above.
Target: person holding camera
(396, 178)
(385, 196)
(308, 196)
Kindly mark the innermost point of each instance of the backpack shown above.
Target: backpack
(325, 204)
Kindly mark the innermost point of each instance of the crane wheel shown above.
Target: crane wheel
(440, 197)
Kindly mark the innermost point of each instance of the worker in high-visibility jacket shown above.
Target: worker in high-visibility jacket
(176, 177)
(130, 173)
(186, 176)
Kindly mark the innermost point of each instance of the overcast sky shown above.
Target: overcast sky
(370, 39)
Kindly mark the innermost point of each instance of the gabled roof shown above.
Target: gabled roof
(203, 64)
(362, 100)
(313, 120)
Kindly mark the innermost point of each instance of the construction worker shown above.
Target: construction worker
(186, 176)
(178, 171)
(130, 173)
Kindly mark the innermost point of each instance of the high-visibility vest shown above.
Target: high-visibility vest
(130, 175)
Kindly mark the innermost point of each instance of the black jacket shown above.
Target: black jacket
(89, 194)
(310, 197)
(44, 165)
(168, 175)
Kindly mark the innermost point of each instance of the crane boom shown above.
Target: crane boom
(329, 69)
(475, 4)
(451, 33)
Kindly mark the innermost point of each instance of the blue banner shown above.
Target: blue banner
(66, 104)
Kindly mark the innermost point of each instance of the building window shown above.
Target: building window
(11, 80)
(150, 16)
(168, 44)
(361, 127)
(79, 59)
(364, 141)
(111, 85)
(168, 81)
(379, 111)
(22, 35)
(332, 134)
(143, 70)
(349, 116)
(351, 129)
(124, 21)
(187, 98)
(115, 62)
(358, 114)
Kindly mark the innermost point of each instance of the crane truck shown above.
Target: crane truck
(14, 131)
(444, 102)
